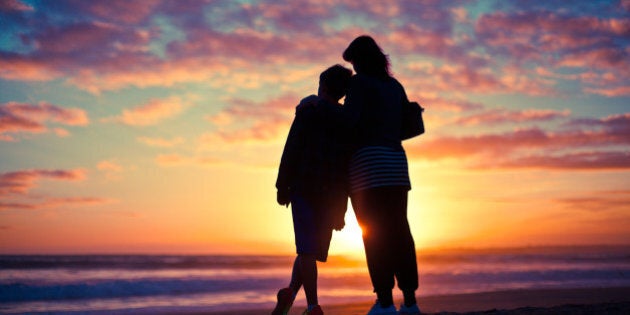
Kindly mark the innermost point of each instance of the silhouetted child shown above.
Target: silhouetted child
(312, 178)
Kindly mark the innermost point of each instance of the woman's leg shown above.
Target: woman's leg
(402, 243)
(389, 245)
(367, 205)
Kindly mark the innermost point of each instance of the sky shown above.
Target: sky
(158, 126)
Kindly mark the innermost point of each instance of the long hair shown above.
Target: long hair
(367, 57)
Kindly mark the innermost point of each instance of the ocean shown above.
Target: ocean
(150, 284)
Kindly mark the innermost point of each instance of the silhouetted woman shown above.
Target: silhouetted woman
(378, 175)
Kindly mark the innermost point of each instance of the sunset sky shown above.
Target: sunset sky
(157, 126)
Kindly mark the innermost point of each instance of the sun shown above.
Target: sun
(348, 242)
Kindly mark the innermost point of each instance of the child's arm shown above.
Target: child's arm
(289, 160)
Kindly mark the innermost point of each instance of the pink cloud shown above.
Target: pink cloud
(582, 144)
(446, 78)
(111, 46)
(24, 69)
(244, 120)
(463, 147)
(585, 43)
(499, 116)
(48, 203)
(14, 5)
(153, 112)
(20, 182)
(118, 10)
(15, 187)
(32, 118)
(439, 103)
(571, 161)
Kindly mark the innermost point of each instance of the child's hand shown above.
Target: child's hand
(283, 197)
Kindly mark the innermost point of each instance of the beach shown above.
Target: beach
(450, 282)
(510, 302)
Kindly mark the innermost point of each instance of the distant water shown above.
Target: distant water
(132, 284)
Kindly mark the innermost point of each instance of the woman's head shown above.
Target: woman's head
(367, 57)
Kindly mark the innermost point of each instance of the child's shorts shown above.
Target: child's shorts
(312, 233)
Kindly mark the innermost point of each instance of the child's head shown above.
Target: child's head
(333, 82)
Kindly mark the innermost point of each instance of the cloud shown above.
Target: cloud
(20, 182)
(110, 168)
(170, 160)
(18, 118)
(445, 104)
(579, 144)
(561, 40)
(15, 190)
(501, 116)
(461, 79)
(48, 203)
(570, 161)
(161, 142)
(600, 201)
(14, 5)
(245, 121)
(152, 113)
(99, 47)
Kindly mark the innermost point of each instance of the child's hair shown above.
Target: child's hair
(336, 79)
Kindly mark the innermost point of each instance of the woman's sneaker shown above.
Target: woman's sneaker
(317, 310)
(377, 309)
(285, 300)
(409, 310)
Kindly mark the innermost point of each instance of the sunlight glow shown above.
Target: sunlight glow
(348, 242)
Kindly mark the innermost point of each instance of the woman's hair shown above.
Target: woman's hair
(367, 57)
(336, 79)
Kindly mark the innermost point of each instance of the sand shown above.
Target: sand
(516, 302)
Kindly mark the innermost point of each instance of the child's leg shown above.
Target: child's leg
(296, 275)
(308, 268)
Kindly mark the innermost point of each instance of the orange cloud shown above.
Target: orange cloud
(54, 203)
(161, 142)
(20, 182)
(600, 201)
(110, 168)
(152, 113)
(171, 160)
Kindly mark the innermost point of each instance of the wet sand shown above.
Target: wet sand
(515, 302)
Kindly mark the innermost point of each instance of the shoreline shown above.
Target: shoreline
(614, 300)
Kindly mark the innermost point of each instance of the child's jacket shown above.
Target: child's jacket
(314, 160)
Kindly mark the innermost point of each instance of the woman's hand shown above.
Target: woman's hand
(309, 101)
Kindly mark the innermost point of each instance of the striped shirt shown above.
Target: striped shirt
(377, 166)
